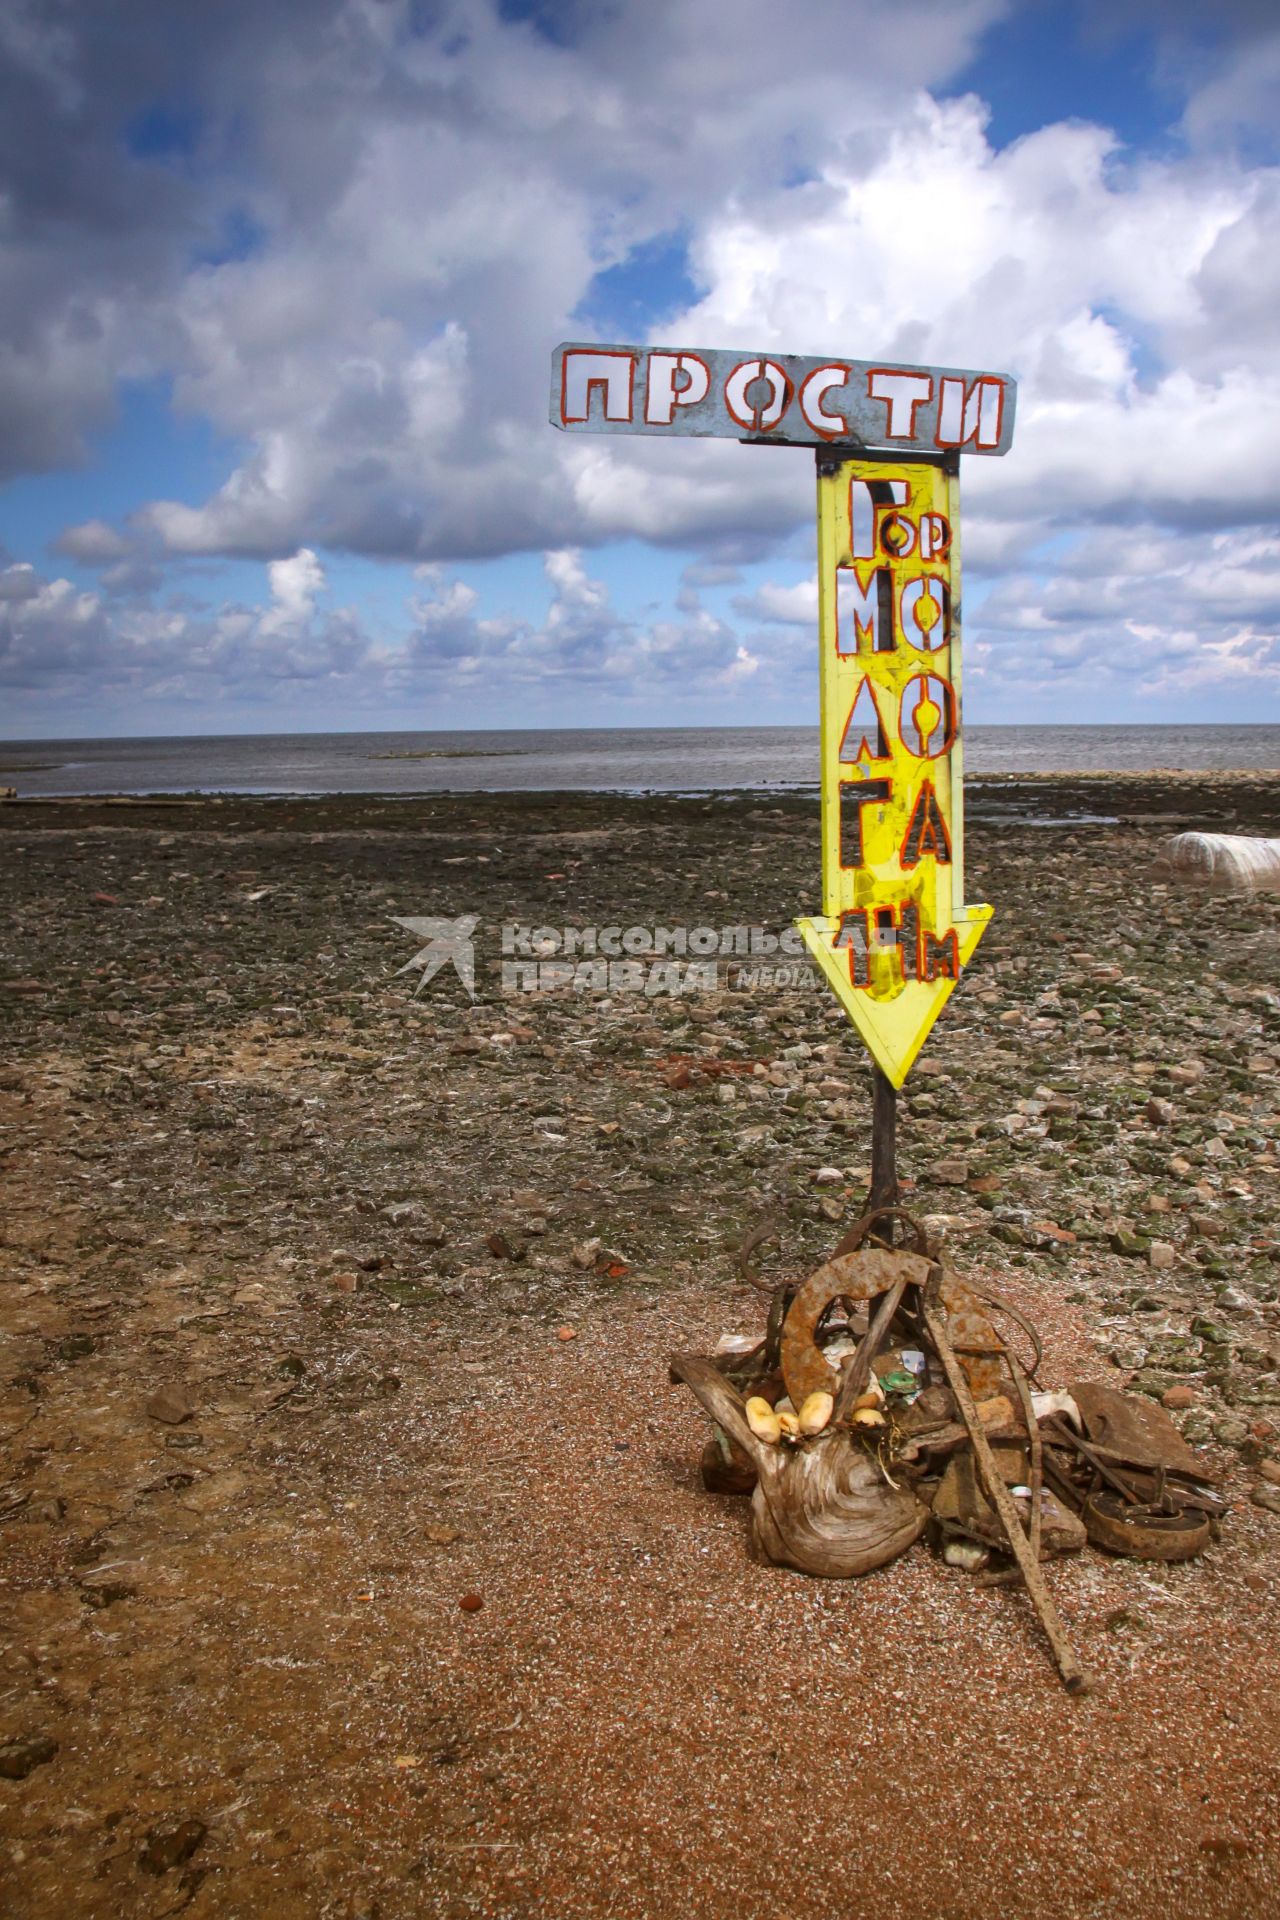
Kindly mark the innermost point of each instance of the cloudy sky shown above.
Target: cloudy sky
(281, 284)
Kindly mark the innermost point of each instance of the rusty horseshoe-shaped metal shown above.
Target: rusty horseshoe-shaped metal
(861, 1277)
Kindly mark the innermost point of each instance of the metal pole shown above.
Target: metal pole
(884, 1162)
(884, 1142)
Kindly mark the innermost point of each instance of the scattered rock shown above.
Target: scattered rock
(1224, 1846)
(44, 1509)
(1267, 1498)
(165, 1079)
(1178, 1399)
(104, 1586)
(171, 1846)
(215, 1491)
(566, 1333)
(22, 1756)
(170, 1405)
(506, 1245)
(967, 1555)
(1051, 1231)
(401, 1211)
(1161, 1254)
(528, 1200)
(471, 1602)
(952, 1172)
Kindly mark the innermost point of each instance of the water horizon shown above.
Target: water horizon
(584, 759)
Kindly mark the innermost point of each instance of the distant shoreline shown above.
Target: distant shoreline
(1044, 776)
(1244, 798)
(676, 760)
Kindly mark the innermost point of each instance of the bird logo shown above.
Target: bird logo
(448, 944)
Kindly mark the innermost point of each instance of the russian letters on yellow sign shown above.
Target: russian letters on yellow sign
(894, 932)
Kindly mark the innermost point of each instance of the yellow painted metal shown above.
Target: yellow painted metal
(895, 930)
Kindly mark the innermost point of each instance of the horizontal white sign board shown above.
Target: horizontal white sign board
(782, 397)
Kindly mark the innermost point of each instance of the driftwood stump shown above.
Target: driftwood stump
(823, 1507)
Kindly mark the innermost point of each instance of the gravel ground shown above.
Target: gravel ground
(289, 1258)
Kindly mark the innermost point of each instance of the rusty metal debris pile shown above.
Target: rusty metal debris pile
(883, 1403)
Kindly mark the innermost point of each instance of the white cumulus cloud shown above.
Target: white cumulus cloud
(382, 218)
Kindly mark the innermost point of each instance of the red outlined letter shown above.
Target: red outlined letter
(975, 415)
(864, 736)
(854, 796)
(851, 938)
(924, 610)
(831, 426)
(935, 536)
(898, 931)
(866, 499)
(584, 371)
(926, 831)
(864, 613)
(902, 393)
(757, 419)
(663, 396)
(938, 957)
(927, 716)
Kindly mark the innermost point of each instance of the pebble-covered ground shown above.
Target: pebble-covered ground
(328, 1309)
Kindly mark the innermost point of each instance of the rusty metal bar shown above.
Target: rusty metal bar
(1073, 1675)
(858, 1377)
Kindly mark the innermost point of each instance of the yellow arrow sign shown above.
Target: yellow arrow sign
(894, 932)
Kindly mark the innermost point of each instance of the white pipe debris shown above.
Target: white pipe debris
(1224, 862)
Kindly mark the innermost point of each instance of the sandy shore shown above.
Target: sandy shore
(331, 1234)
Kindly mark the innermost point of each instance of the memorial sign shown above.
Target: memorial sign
(895, 930)
(782, 398)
